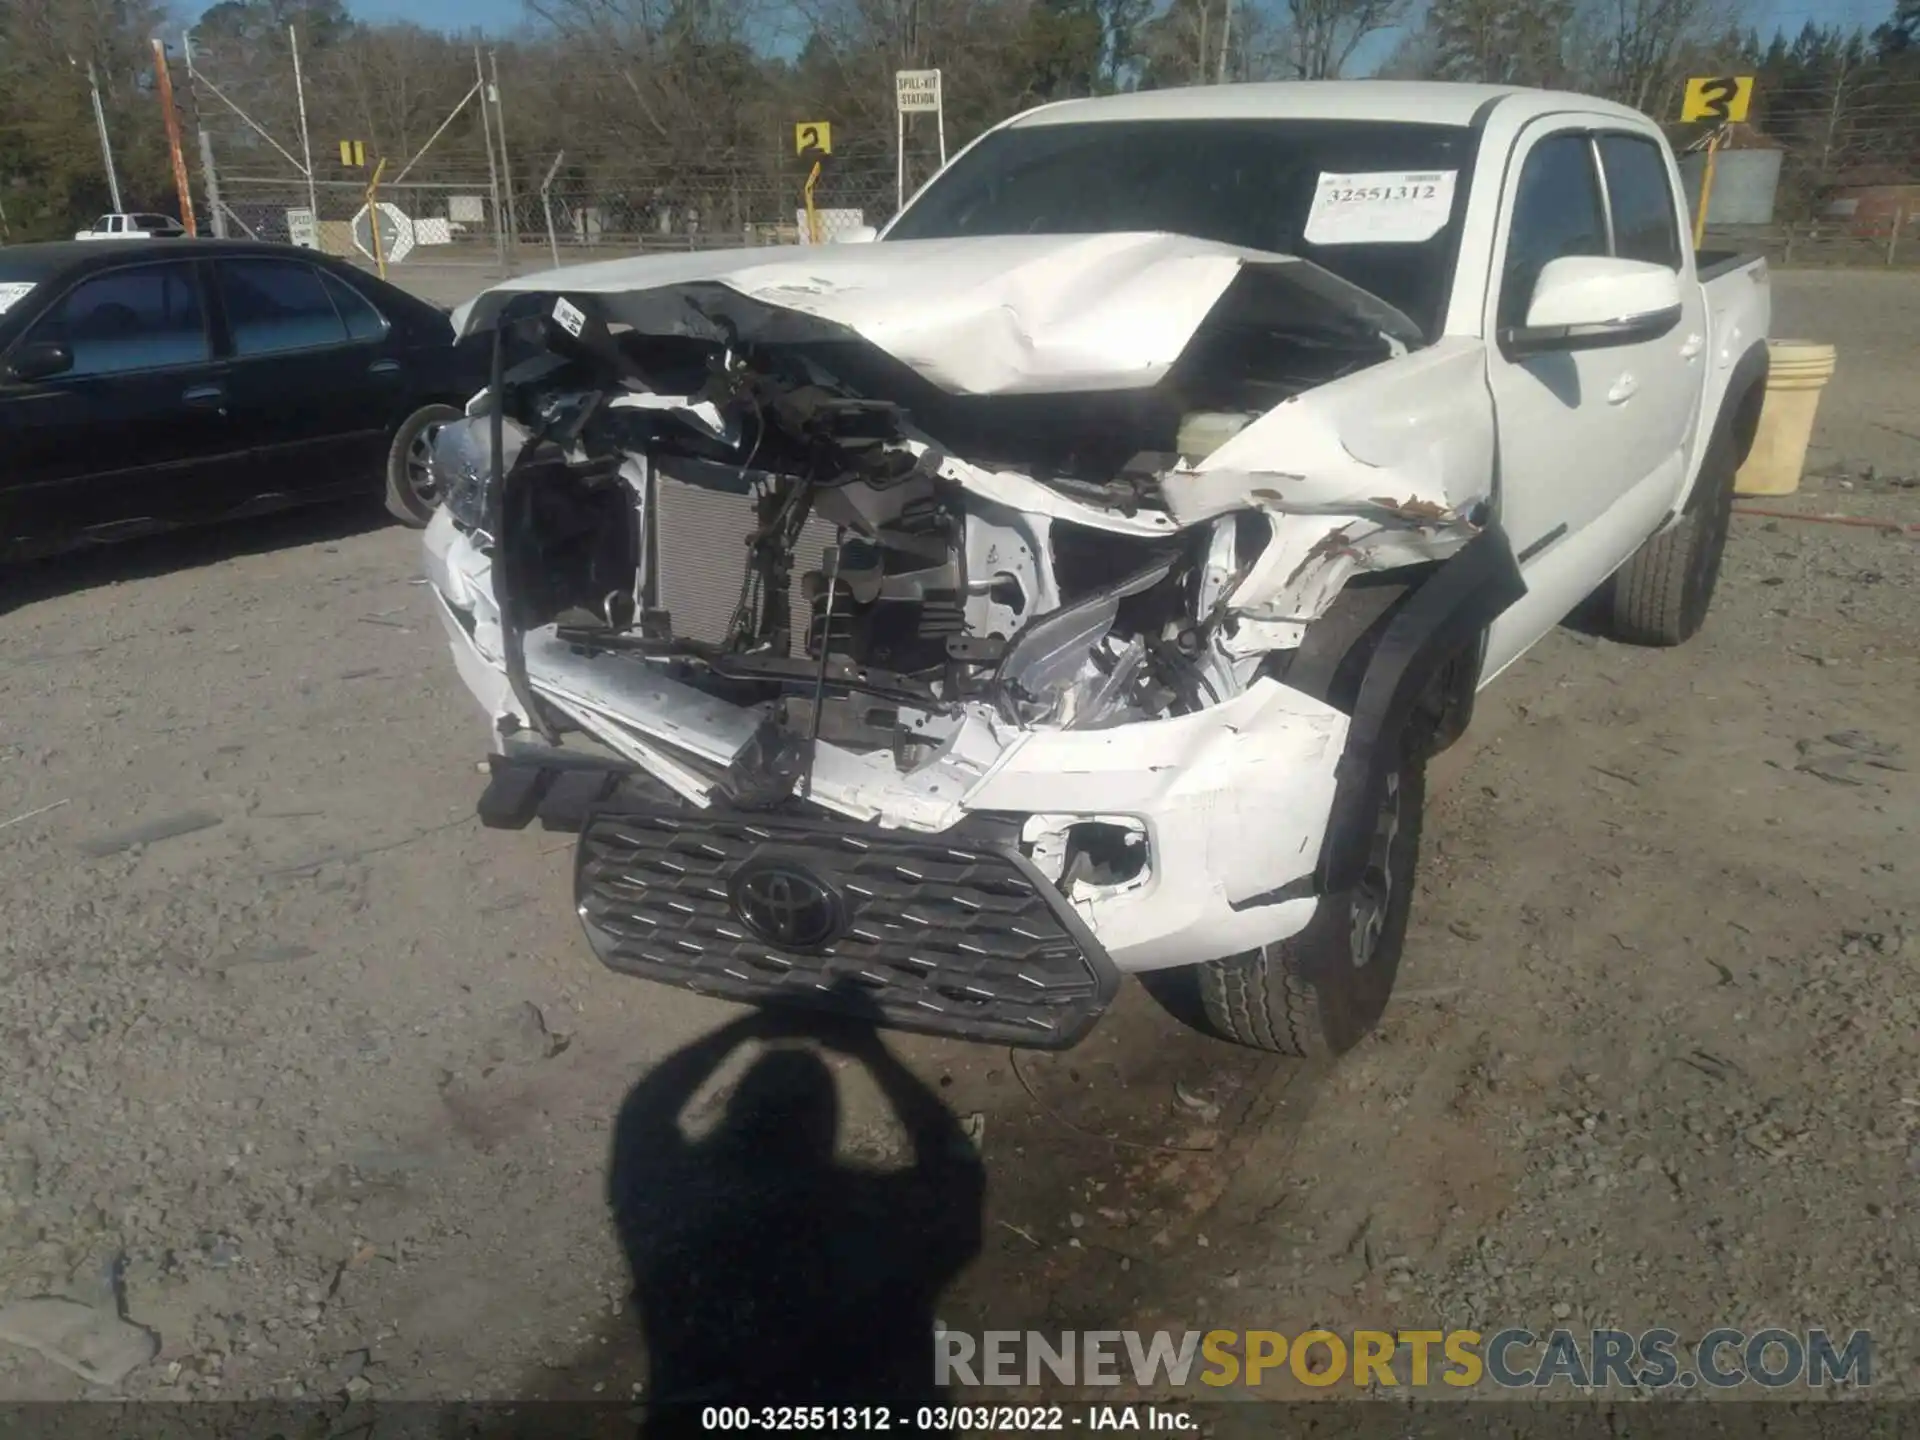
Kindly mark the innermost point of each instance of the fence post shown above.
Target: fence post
(100, 124)
(373, 217)
(1893, 235)
(216, 213)
(546, 204)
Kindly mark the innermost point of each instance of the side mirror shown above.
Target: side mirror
(857, 235)
(1588, 302)
(39, 362)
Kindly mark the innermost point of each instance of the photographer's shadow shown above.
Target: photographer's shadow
(765, 1272)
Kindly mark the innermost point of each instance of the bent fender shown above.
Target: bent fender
(1440, 619)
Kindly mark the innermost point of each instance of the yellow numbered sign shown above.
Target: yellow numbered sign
(813, 137)
(1717, 97)
(353, 153)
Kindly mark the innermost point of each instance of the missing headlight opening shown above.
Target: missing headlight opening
(1088, 857)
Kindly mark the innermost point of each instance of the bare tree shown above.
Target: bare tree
(1644, 45)
(1503, 42)
(392, 86)
(1323, 34)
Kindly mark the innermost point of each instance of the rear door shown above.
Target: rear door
(135, 431)
(1645, 225)
(314, 393)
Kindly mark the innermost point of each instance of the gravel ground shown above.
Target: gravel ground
(311, 1079)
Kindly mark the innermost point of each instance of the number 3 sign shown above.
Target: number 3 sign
(1717, 97)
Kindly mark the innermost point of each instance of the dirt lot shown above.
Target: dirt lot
(312, 1078)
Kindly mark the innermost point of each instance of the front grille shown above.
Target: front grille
(941, 934)
(702, 554)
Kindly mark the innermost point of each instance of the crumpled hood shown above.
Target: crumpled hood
(979, 316)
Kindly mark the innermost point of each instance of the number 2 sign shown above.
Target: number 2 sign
(813, 137)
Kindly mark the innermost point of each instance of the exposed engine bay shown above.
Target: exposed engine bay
(780, 534)
(785, 540)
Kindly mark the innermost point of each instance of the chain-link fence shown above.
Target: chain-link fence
(461, 189)
(455, 192)
(606, 210)
(590, 211)
(445, 220)
(1842, 240)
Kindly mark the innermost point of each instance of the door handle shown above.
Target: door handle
(384, 367)
(1693, 346)
(206, 397)
(1623, 389)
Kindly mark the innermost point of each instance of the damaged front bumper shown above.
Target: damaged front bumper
(980, 931)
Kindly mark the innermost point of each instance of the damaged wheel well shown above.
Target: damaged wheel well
(1399, 653)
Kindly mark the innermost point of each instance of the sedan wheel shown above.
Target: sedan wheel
(413, 490)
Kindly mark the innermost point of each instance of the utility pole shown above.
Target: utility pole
(100, 123)
(506, 164)
(163, 82)
(493, 170)
(306, 146)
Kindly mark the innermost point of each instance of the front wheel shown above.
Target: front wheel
(413, 492)
(1318, 993)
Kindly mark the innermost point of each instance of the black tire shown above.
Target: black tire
(1318, 993)
(1661, 596)
(412, 495)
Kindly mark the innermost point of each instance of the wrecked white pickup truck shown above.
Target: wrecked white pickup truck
(1077, 580)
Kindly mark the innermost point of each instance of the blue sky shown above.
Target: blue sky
(457, 15)
(504, 15)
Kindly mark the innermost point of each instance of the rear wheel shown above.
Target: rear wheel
(1318, 993)
(1661, 596)
(413, 493)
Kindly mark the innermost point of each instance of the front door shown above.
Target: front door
(135, 431)
(1592, 443)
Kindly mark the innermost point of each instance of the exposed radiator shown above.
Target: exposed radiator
(702, 551)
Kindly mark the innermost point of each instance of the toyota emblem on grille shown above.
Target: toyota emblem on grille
(787, 904)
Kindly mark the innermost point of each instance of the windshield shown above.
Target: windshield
(1251, 183)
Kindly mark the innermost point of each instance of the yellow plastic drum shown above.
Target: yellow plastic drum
(1798, 370)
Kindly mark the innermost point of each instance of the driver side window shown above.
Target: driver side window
(1556, 212)
(143, 318)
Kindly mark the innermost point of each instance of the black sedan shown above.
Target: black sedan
(146, 387)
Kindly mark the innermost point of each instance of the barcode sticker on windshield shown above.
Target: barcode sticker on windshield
(571, 317)
(12, 294)
(1380, 207)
